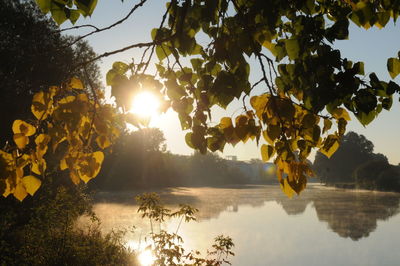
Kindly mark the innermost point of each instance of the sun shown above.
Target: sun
(146, 258)
(145, 104)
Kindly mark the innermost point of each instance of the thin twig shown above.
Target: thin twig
(164, 17)
(79, 27)
(134, 8)
(136, 45)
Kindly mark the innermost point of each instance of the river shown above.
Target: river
(322, 226)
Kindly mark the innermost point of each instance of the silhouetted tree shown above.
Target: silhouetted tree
(354, 150)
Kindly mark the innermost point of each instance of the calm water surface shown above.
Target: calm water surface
(323, 226)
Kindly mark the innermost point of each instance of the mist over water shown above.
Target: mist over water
(324, 226)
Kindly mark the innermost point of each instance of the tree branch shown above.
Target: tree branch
(79, 27)
(136, 45)
(141, 3)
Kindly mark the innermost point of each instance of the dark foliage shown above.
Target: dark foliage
(33, 56)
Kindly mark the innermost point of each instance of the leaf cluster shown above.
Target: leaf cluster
(69, 130)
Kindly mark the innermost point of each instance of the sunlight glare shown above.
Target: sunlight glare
(146, 258)
(145, 104)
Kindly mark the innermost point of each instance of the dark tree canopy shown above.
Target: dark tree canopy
(34, 56)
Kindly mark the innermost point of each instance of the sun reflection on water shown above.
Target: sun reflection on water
(145, 255)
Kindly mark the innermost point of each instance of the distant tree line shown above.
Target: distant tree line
(140, 159)
(356, 165)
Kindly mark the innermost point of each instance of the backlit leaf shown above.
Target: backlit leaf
(292, 48)
(20, 192)
(103, 141)
(340, 113)
(75, 83)
(21, 140)
(24, 128)
(330, 145)
(44, 5)
(327, 125)
(267, 151)
(31, 184)
(39, 166)
(393, 66)
(287, 189)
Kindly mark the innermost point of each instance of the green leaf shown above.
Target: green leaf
(339, 31)
(393, 66)
(44, 5)
(162, 52)
(366, 118)
(58, 15)
(74, 16)
(86, 6)
(188, 139)
(120, 67)
(359, 68)
(292, 48)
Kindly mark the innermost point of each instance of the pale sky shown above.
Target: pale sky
(373, 47)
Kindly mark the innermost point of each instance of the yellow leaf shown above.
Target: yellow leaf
(340, 113)
(21, 140)
(90, 166)
(8, 189)
(31, 184)
(66, 100)
(225, 122)
(42, 139)
(99, 156)
(26, 129)
(75, 84)
(271, 47)
(272, 133)
(39, 166)
(74, 177)
(259, 103)
(101, 127)
(103, 141)
(40, 104)
(287, 189)
(327, 125)
(41, 144)
(63, 164)
(331, 144)
(20, 192)
(267, 151)
(19, 172)
(22, 161)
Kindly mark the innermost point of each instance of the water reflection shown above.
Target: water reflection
(350, 214)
